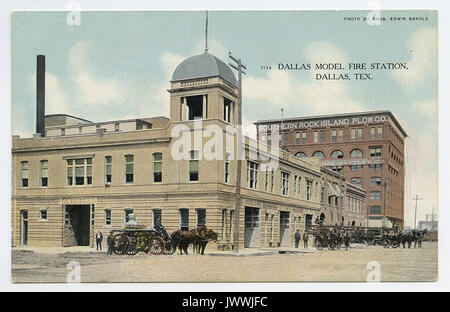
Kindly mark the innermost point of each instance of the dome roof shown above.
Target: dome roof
(203, 66)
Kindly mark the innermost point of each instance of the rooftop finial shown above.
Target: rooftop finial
(206, 33)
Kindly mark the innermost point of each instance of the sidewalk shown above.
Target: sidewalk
(260, 252)
(242, 253)
(57, 250)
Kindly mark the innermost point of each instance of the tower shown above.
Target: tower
(203, 87)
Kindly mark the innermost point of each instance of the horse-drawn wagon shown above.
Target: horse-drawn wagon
(134, 238)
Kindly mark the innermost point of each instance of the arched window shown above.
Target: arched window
(337, 154)
(356, 153)
(300, 155)
(318, 154)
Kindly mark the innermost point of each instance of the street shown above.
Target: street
(399, 264)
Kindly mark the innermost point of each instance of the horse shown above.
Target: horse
(200, 246)
(183, 239)
(419, 237)
(408, 236)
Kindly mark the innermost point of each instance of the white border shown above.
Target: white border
(442, 6)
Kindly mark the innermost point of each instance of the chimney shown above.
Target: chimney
(40, 95)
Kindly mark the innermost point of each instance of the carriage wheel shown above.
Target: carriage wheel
(121, 242)
(386, 243)
(132, 250)
(169, 249)
(395, 244)
(318, 244)
(156, 245)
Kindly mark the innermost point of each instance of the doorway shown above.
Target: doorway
(76, 228)
(285, 233)
(251, 237)
(24, 227)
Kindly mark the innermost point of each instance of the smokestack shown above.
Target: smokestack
(40, 95)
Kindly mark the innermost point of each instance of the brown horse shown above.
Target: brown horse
(200, 246)
(183, 239)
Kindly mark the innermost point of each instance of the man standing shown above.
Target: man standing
(98, 239)
(110, 242)
(305, 239)
(297, 238)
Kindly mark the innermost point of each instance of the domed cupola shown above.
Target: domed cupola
(203, 88)
(203, 65)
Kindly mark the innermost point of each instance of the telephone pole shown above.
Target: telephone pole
(415, 211)
(237, 65)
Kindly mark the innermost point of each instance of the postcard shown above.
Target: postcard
(224, 146)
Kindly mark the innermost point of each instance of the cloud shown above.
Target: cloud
(92, 90)
(55, 97)
(428, 108)
(422, 45)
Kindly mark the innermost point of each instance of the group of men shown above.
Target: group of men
(305, 238)
(109, 242)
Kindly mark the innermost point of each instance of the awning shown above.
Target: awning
(332, 190)
(338, 190)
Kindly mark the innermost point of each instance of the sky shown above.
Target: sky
(117, 65)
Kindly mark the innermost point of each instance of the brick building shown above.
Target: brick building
(367, 148)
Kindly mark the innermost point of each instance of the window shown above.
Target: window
(227, 168)
(300, 155)
(43, 214)
(360, 133)
(227, 110)
(304, 138)
(284, 183)
(272, 174)
(380, 132)
(356, 153)
(269, 139)
(375, 151)
(107, 216)
(63, 132)
(116, 126)
(79, 171)
(336, 168)
(24, 170)
(356, 181)
(184, 219)
(297, 138)
(263, 138)
(279, 138)
(308, 189)
(108, 169)
(353, 133)
(285, 138)
(157, 167)
(375, 181)
(376, 167)
(126, 215)
(295, 186)
(318, 154)
(322, 135)
(194, 106)
(375, 195)
(252, 174)
(157, 217)
(372, 132)
(129, 168)
(356, 167)
(43, 173)
(193, 166)
(375, 209)
(316, 136)
(333, 136)
(201, 217)
(337, 154)
(340, 135)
